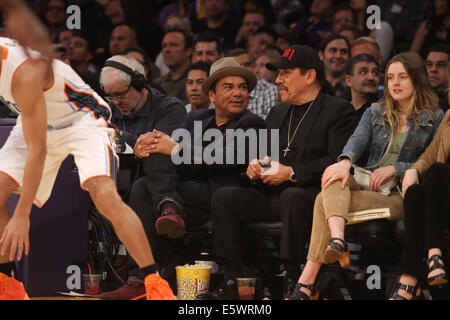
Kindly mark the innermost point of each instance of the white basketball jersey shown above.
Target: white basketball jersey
(69, 97)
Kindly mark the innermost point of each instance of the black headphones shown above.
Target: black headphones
(137, 79)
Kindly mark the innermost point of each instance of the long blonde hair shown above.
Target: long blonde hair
(424, 99)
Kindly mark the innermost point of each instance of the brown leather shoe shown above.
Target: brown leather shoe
(128, 291)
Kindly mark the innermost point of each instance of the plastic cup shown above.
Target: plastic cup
(192, 280)
(92, 284)
(246, 288)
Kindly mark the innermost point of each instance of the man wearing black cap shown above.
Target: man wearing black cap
(313, 128)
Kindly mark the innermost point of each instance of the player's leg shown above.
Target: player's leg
(130, 231)
(126, 223)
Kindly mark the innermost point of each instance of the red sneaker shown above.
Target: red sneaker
(157, 288)
(11, 289)
(128, 291)
(171, 224)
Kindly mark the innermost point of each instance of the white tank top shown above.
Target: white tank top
(69, 98)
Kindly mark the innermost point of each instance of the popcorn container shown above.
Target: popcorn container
(192, 280)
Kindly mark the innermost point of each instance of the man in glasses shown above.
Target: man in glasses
(437, 63)
(138, 109)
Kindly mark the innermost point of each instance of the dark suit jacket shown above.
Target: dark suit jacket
(320, 138)
(217, 174)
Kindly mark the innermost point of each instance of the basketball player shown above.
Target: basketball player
(60, 115)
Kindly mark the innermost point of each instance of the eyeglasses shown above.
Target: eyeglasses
(117, 96)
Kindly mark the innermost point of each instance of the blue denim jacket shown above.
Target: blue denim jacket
(375, 132)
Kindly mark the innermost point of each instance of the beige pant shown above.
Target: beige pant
(335, 201)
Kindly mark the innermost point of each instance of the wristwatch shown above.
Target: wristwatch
(292, 176)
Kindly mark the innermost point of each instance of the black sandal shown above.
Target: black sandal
(412, 290)
(297, 294)
(338, 250)
(440, 279)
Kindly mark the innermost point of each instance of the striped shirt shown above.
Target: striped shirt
(262, 98)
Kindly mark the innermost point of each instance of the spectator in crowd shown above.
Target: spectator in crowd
(207, 48)
(426, 215)
(139, 109)
(288, 189)
(218, 21)
(177, 52)
(61, 53)
(122, 37)
(114, 12)
(317, 26)
(174, 21)
(260, 68)
(227, 86)
(264, 6)
(285, 10)
(350, 33)
(196, 75)
(285, 39)
(179, 8)
(265, 95)
(360, 7)
(438, 66)
(434, 30)
(367, 45)
(394, 131)
(139, 54)
(64, 37)
(138, 15)
(343, 16)
(334, 52)
(55, 17)
(251, 22)
(260, 41)
(363, 78)
(80, 56)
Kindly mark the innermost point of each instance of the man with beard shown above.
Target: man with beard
(334, 52)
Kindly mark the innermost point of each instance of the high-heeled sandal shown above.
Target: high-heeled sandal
(412, 290)
(440, 279)
(337, 250)
(297, 294)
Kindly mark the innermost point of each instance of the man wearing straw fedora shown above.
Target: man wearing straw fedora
(204, 164)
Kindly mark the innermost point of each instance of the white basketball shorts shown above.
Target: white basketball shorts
(89, 141)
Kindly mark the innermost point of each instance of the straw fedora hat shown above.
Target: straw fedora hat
(228, 67)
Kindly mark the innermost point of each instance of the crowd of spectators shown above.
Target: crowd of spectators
(178, 41)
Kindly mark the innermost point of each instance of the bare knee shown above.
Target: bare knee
(104, 194)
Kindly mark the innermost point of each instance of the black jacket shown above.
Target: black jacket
(163, 113)
(216, 174)
(322, 136)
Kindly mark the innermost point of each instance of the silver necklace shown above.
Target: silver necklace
(289, 139)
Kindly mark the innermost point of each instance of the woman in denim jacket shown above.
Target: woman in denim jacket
(397, 131)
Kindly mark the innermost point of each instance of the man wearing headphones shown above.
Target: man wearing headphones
(137, 109)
